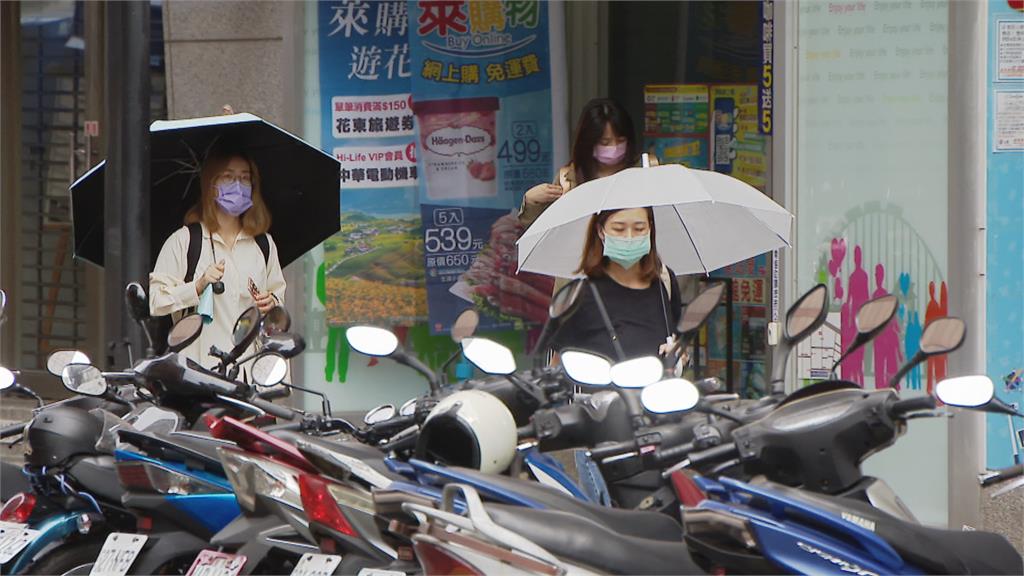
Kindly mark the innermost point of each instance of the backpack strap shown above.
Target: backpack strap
(195, 247)
(264, 244)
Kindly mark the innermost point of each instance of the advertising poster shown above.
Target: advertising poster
(1004, 262)
(374, 265)
(676, 123)
(482, 84)
(737, 146)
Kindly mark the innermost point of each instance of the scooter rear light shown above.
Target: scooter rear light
(254, 440)
(18, 508)
(320, 505)
(145, 477)
(438, 562)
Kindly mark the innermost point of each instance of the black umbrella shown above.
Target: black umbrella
(299, 183)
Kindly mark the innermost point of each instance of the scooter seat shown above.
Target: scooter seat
(934, 550)
(578, 539)
(633, 523)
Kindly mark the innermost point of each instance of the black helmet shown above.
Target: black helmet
(58, 433)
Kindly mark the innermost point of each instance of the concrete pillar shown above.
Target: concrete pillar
(968, 59)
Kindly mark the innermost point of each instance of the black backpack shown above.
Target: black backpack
(195, 247)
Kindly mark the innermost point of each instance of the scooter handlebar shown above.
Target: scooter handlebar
(901, 407)
(12, 430)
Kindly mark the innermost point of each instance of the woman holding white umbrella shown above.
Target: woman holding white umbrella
(705, 220)
(639, 295)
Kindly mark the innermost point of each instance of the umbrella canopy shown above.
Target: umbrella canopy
(299, 183)
(704, 220)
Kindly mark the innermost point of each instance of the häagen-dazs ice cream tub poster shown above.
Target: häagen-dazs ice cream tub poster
(459, 147)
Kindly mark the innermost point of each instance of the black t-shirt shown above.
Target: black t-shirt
(639, 318)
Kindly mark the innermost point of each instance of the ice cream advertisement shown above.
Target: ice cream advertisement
(481, 85)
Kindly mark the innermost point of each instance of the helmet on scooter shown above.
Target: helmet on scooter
(472, 429)
(58, 433)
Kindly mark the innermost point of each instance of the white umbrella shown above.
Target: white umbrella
(704, 220)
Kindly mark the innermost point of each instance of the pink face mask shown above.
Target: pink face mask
(610, 155)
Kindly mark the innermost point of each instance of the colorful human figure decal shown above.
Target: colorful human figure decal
(337, 345)
(888, 356)
(853, 366)
(936, 309)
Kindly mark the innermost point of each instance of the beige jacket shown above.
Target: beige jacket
(170, 294)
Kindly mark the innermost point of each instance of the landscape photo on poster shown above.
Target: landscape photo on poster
(373, 267)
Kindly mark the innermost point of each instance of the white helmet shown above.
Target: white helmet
(472, 429)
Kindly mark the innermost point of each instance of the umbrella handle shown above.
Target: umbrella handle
(218, 287)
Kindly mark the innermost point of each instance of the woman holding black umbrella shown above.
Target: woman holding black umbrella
(236, 263)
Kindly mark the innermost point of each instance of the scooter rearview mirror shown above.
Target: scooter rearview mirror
(287, 344)
(700, 308)
(667, 396)
(84, 379)
(804, 317)
(489, 356)
(269, 370)
(372, 341)
(638, 372)
(966, 391)
(58, 359)
(185, 332)
(245, 331)
(807, 314)
(566, 300)
(276, 321)
(7, 379)
(465, 325)
(563, 305)
(586, 368)
(137, 301)
(872, 318)
(940, 336)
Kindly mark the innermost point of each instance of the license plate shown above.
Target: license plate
(379, 572)
(211, 563)
(316, 565)
(13, 539)
(118, 553)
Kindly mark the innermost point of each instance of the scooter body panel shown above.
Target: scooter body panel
(52, 531)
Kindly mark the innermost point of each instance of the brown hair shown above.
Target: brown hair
(255, 220)
(594, 264)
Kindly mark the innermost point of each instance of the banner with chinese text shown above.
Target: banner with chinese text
(374, 265)
(481, 82)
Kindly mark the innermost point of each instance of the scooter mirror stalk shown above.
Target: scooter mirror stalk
(804, 317)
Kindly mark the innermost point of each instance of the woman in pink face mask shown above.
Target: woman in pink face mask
(605, 143)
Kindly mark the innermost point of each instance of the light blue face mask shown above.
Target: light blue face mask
(626, 252)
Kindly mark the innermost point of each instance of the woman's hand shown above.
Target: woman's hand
(213, 273)
(543, 194)
(265, 301)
